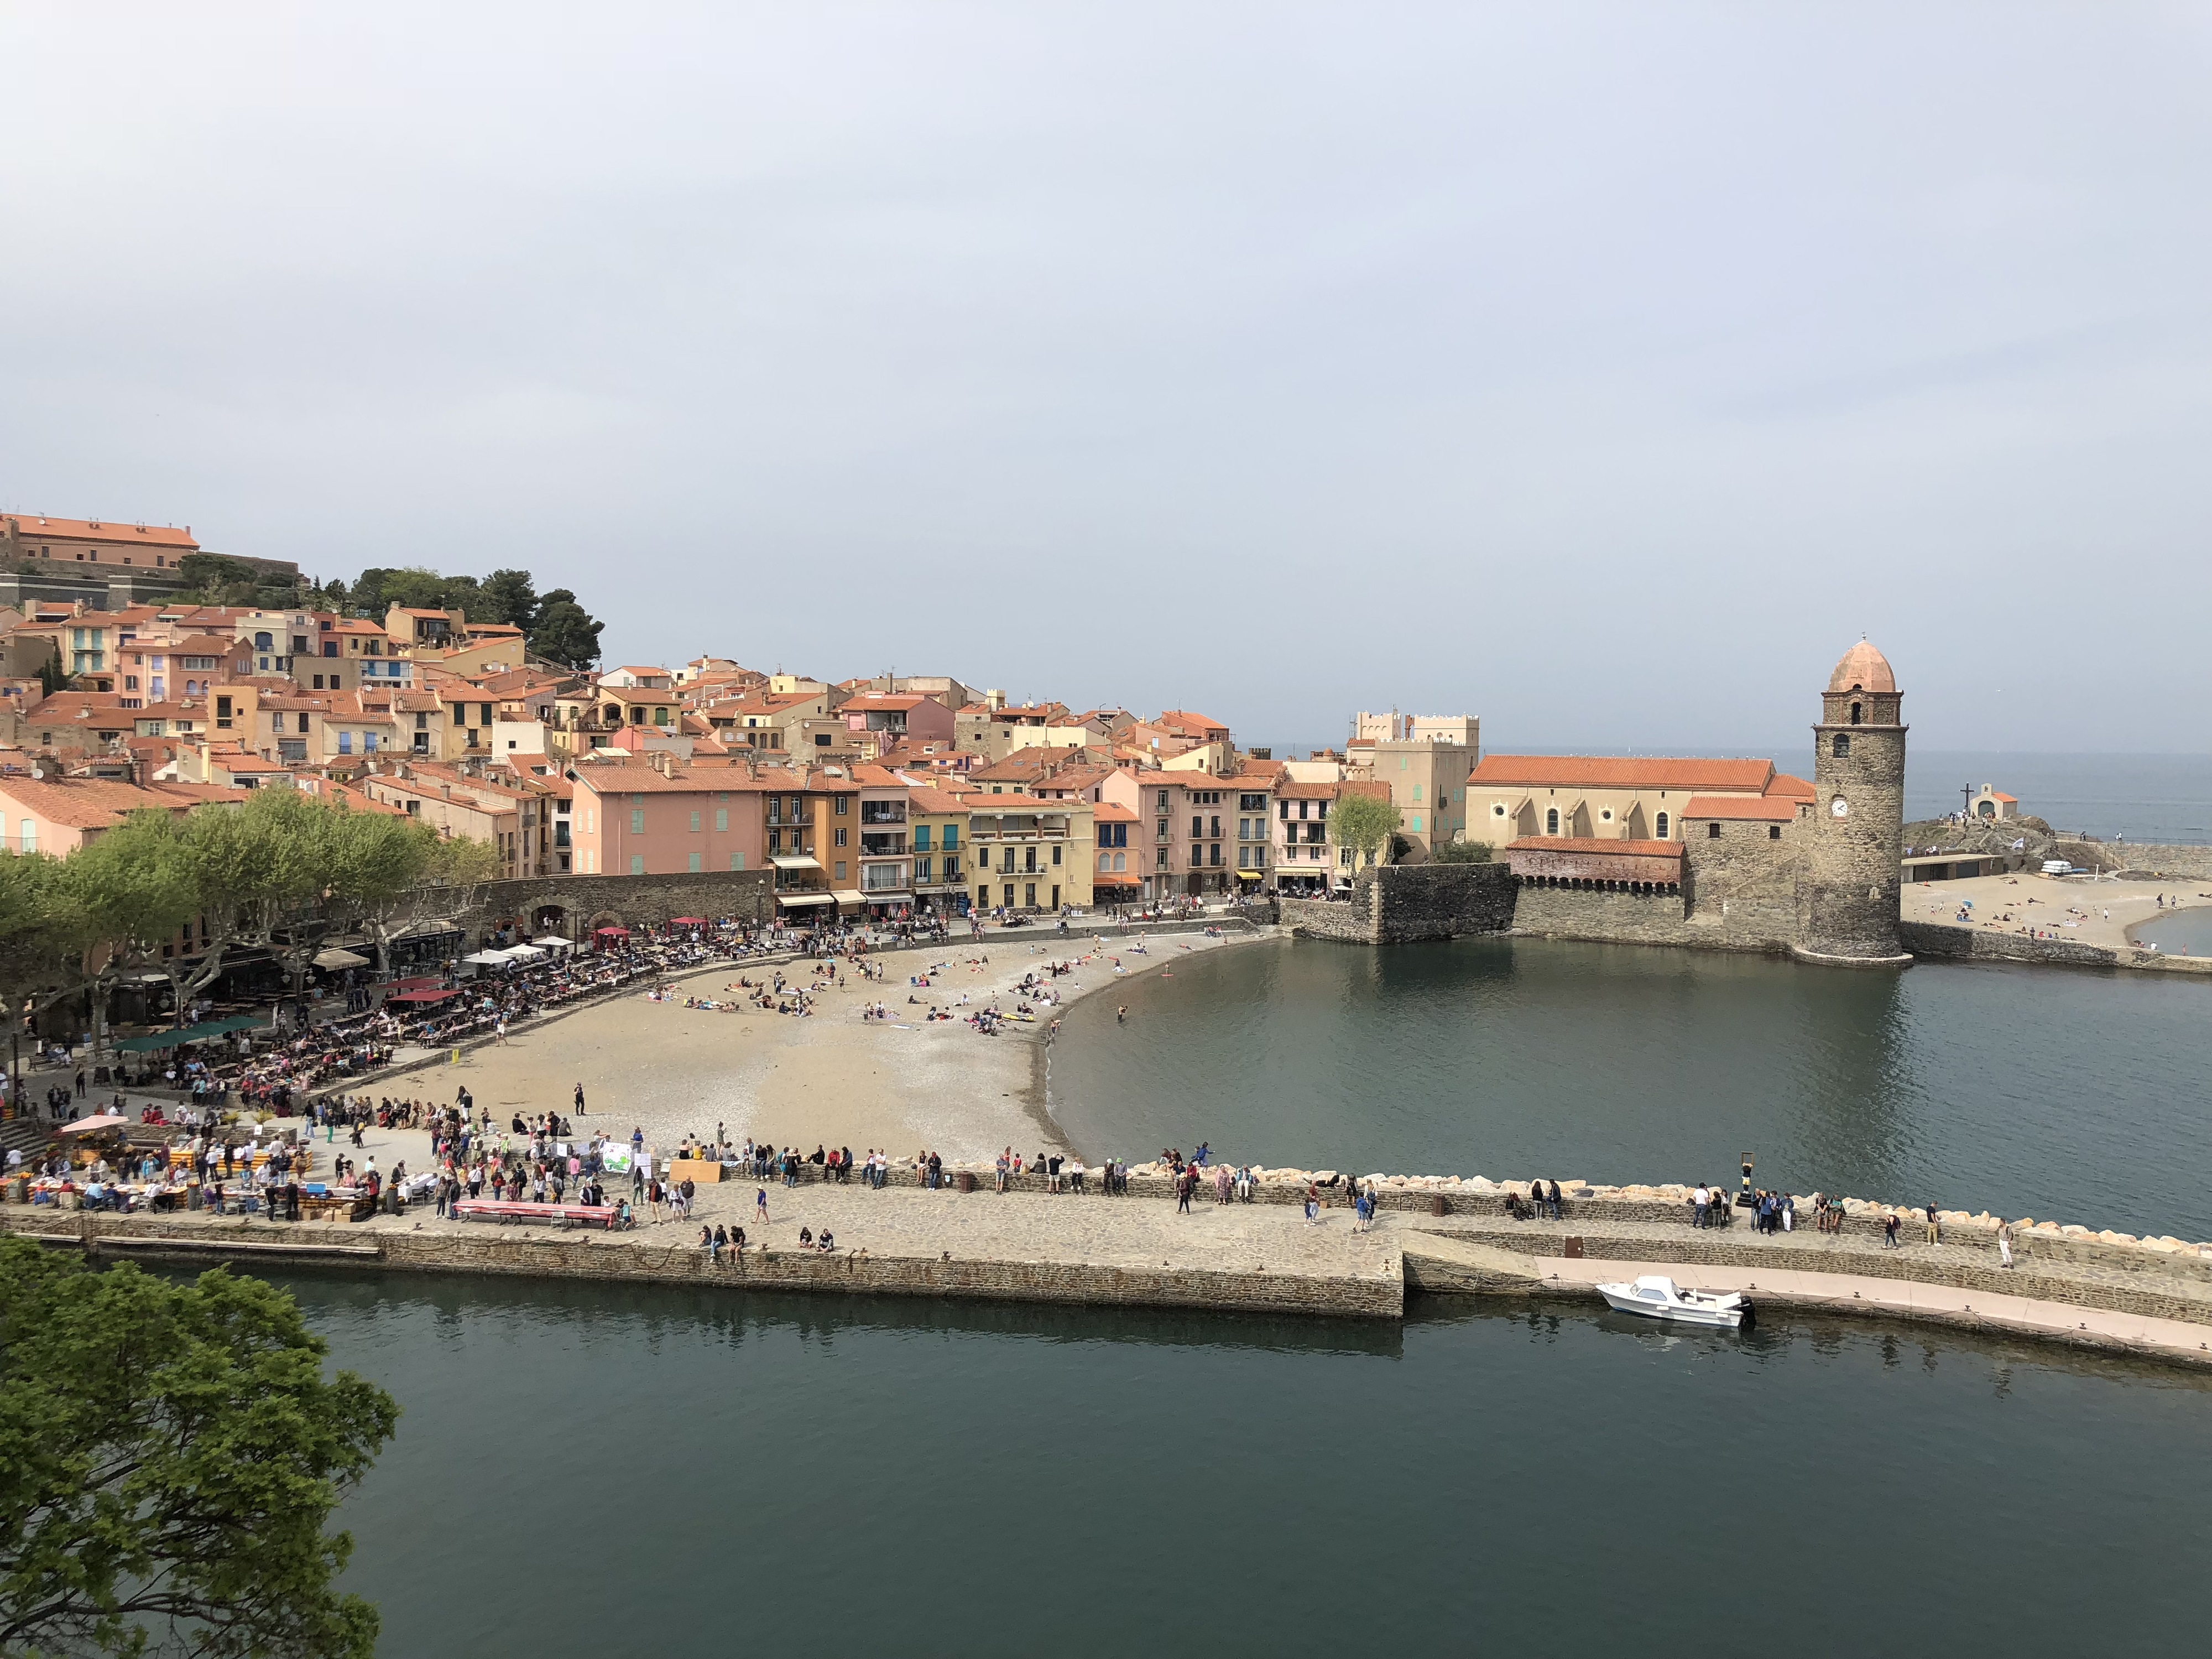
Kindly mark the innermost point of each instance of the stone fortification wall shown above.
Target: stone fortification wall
(1935, 939)
(1401, 903)
(633, 900)
(2192, 862)
(1744, 881)
(1610, 916)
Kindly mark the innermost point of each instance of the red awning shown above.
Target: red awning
(688, 921)
(613, 932)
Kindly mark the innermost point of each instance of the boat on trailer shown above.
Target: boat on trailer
(1656, 1297)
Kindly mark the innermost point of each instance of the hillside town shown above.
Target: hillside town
(881, 796)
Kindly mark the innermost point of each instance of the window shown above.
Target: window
(1840, 745)
(1162, 858)
(637, 864)
(1417, 794)
(1855, 713)
(1198, 829)
(840, 869)
(1497, 810)
(921, 838)
(1417, 823)
(695, 864)
(345, 742)
(1712, 832)
(841, 828)
(1663, 826)
(637, 820)
(843, 801)
(1552, 820)
(951, 839)
(694, 827)
(736, 861)
(1055, 852)
(1774, 832)
(1163, 800)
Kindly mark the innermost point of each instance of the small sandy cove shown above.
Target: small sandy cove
(2086, 912)
(901, 1083)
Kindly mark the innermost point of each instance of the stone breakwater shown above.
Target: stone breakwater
(1670, 1202)
(1444, 1235)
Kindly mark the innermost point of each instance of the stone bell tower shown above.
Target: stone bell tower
(1848, 882)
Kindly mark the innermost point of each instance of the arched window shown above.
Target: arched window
(1840, 745)
(1551, 822)
(1855, 712)
(1663, 826)
(261, 642)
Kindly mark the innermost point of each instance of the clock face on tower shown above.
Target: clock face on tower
(1840, 807)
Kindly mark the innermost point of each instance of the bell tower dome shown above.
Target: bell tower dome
(1848, 885)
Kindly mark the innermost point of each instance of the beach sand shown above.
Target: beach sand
(2086, 912)
(899, 1084)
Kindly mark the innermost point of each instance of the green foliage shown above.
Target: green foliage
(215, 578)
(508, 596)
(1456, 851)
(566, 632)
(169, 1456)
(505, 596)
(45, 932)
(281, 870)
(52, 677)
(1363, 823)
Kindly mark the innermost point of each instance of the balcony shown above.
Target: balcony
(881, 846)
(803, 821)
(883, 812)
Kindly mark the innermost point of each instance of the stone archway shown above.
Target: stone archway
(549, 919)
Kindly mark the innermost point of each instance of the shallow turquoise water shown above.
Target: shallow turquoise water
(2057, 1093)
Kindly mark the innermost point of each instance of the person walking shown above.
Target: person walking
(759, 1207)
(2004, 1244)
(1935, 1236)
(580, 1100)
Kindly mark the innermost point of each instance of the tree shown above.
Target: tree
(566, 632)
(282, 871)
(1363, 823)
(169, 1456)
(46, 938)
(1456, 851)
(509, 597)
(447, 890)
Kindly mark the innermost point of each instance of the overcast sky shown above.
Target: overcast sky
(1603, 370)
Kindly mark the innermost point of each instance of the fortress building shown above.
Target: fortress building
(1729, 854)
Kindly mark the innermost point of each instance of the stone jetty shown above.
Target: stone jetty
(1437, 1236)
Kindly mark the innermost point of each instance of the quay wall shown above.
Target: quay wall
(580, 1254)
(1946, 939)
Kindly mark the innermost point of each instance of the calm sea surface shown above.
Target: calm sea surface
(2160, 798)
(590, 1469)
(2061, 1094)
(587, 1471)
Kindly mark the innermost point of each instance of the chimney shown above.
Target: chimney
(661, 761)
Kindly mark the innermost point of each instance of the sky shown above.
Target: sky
(1603, 370)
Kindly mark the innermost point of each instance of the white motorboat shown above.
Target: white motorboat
(1658, 1297)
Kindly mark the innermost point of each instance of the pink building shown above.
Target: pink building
(663, 818)
(898, 715)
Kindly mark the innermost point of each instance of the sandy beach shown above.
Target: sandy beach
(899, 1084)
(2087, 912)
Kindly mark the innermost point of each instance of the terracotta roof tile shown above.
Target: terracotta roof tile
(1617, 772)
